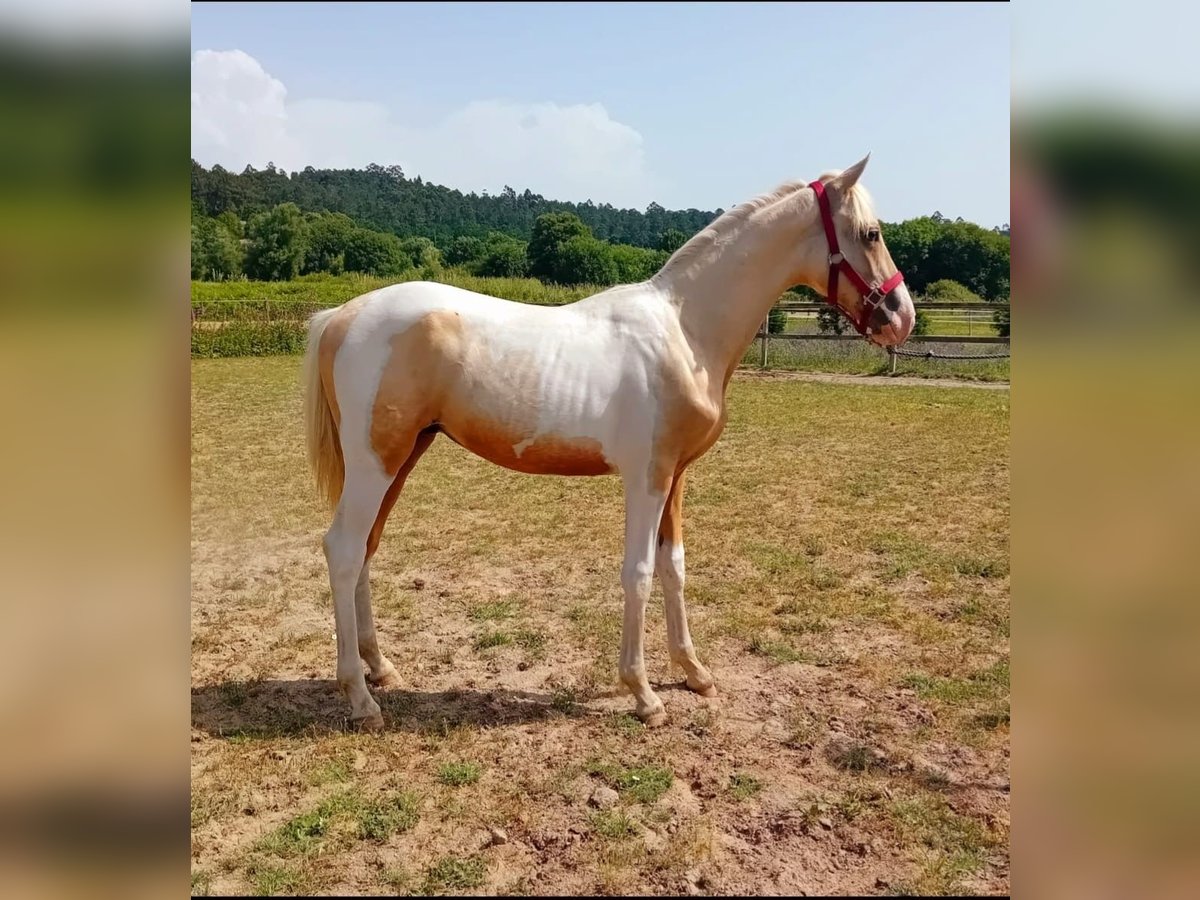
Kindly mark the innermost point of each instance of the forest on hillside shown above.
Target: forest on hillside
(270, 225)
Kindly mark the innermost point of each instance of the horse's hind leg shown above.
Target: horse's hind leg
(382, 673)
(345, 551)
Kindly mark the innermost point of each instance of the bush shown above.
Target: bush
(585, 260)
(1000, 318)
(464, 250)
(921, 324)
(636, 264)
(502, 257)
(830, 319)
(776, 320)
(946, 290)
(374, 253)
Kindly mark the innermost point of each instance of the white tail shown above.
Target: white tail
(324, 444)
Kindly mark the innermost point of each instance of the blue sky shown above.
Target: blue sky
(690, 105)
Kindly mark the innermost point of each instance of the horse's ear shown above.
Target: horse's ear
(848, 178)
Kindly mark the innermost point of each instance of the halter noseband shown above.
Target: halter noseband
(871, 296)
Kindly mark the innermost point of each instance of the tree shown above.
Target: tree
(551, 232)
(375, 253)
(635, 264)
(216, 253)
(422, 254)
(464, 250)
(329, 233)
(671, 240)
(585, 260)
(278, 240)
(232, 224)
(503, 257)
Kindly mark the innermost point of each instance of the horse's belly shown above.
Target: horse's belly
(543, 454)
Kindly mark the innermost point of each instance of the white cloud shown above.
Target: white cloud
(241, 114)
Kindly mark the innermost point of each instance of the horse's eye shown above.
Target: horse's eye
(873, 234)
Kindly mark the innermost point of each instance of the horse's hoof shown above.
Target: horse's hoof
(389, 680)
(368, 723)
(654, 719)
(707, 690)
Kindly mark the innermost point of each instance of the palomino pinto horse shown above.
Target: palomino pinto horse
(629, 381)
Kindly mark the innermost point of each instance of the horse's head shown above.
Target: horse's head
(872, 292)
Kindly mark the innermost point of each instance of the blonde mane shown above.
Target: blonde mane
(858, 206)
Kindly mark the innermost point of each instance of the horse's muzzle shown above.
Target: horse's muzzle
(892, 321)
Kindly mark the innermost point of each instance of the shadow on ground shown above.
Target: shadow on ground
(268, 709)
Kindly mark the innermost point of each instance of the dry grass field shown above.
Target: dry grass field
(848, 585)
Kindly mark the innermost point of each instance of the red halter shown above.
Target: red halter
(871, 296)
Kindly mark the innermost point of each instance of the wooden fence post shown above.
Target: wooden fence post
(763, 355)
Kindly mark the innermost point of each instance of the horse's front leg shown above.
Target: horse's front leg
(643, 512)
(669, 563)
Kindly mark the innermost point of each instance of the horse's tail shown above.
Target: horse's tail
(324, 445)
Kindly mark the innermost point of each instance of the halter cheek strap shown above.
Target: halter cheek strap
(871, 296)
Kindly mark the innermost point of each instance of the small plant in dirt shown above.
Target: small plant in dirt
(776, 650)
(453, 873)
(494, 611)
(401, 881)
(492, 639)
(456, 774)
(533, 642)
(201, 884)
(271, 880)
(851, 755)
(613, 824)
(643, 783)
(564, 699)
(380, 819)
(743, 786)
(626, 724)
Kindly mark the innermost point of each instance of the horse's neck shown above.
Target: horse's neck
(726, 286)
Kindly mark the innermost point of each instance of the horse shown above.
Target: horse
(629, 381)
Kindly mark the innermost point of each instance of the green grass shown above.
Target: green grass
(380, 819)
(494, 611)
(613, 824)
(272, 880)
(642, 783)
(988, 684)
(492, 639)
(339, 818)
(456, 774)
(743, 786)
(779, 651)
(453, 873)
(955, 846)
(201, 884)
(533, 642)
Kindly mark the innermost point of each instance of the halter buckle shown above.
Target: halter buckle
(835, 259)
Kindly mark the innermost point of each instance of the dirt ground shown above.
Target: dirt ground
(848, 585)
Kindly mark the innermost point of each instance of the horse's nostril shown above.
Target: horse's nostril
(892, 302)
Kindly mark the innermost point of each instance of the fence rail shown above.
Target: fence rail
(285, 310)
